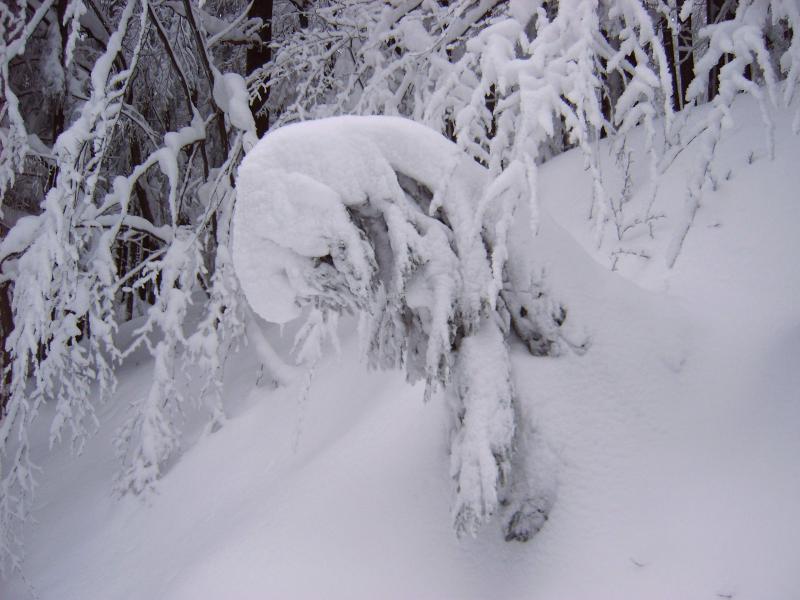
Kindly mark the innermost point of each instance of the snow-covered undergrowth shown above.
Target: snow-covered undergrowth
(671, 444)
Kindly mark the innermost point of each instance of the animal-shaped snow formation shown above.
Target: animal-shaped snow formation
(300, 186)
(386, 218)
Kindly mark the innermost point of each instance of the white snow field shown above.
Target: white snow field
(672, 444)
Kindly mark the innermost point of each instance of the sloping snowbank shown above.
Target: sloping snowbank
(673, 441)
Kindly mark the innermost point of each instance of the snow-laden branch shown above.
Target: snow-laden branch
(98, 238)
(386, 218)
(15, 30)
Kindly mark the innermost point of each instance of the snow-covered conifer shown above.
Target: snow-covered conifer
(386, 218)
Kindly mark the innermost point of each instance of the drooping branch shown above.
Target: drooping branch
(333, 216)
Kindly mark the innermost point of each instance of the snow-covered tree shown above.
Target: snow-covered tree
(386, 218)
(135, 180)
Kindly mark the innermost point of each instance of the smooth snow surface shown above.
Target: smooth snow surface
(674, 440)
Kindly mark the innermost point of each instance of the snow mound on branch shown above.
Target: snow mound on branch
(295, 186)
(231, 95)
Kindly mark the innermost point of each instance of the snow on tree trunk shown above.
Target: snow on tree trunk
(386, 218)
(481, 446)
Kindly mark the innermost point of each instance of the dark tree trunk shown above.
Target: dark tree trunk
(6, 326)
(257, 56)
(677, 44)
(58, 115)
(714, 14)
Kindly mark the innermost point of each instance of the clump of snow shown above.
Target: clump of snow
(231, 96)
(297, 188)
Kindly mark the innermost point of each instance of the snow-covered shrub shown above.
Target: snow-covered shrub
(386, 218)
(751, 64)
(122, 214)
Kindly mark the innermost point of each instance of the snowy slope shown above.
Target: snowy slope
(673, 441)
